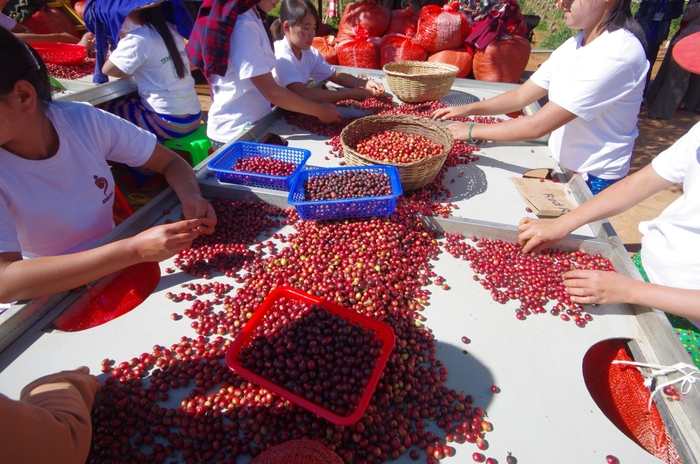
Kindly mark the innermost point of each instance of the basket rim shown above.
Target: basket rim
(306, 154)
(419, 120)
(444, 69)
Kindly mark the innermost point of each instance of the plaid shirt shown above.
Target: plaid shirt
(208, 47)
(104, 18)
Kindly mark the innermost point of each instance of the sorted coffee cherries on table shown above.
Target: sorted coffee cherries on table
(314, 354)
(398, 147)
(265, 165)
(71, 72)
(535, 280)
(349, 184)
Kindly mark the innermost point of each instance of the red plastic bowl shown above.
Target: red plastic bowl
(383, 331)
(60, 53)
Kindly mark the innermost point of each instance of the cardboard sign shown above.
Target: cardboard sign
(544, 197)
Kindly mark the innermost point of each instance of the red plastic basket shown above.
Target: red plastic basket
(382, 330)
(60, 53)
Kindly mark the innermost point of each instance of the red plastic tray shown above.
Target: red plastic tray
(60, 53)
(383, 331)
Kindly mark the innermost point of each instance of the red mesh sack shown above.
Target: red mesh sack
(368, 14)
(298, 452)
(398, 47)
(326, 47)
(460, 57)
(502, 60)
(361, 52)
(400, 20)
(619, 392)
(125, 292)
(49, 20)
(441, 28)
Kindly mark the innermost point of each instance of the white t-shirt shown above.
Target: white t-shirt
(235, 99)
(671, 242)
(289, 69)
(6, 22)
(601, 83)
(143, 53)
(63, 204)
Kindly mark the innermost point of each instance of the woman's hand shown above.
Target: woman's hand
(161, 242)
(460, 131)
(376, 88)
(535, 235)
(196, 207)
(88, 41)
(451, 112)
(329, 113)
(597, 287)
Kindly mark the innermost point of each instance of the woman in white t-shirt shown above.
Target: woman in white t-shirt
(57, 191)
(247, 89)
(154, 53)
(595, 84)
(297, 60)
(671, 268)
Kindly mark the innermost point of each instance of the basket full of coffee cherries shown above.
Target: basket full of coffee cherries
(415, 145)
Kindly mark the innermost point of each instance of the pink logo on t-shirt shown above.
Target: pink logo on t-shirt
(102, 183)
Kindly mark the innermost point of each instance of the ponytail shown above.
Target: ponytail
(153, 17)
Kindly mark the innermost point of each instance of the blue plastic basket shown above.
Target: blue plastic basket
(223, 163)
(346, 207)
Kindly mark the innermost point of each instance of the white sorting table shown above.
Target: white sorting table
(543, 413)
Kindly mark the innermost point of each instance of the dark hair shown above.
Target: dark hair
(293, 11)
(22, 62)
(153, 17)
(620, 17)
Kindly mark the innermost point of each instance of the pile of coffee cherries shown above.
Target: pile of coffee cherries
(535, 280)
(347, 184)
(73, 72)
(265, 165)
(314, 354)
(398, 147)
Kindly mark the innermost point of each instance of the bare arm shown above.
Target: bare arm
(550, 117)
(537, 234)
(24, 34)
(110, 69)
(513, 100)
(285, 98)
(599, 287)
(22, 279)
(182, 179)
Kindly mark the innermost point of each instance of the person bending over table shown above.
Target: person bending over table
(668, 260)
(595, 83)
(57, 190)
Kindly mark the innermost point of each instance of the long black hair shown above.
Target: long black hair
(620, 17)
(153, 18)
(21, 62)
(293, 11)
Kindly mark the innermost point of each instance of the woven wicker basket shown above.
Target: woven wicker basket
(419, 81)
(413, 175)
(298, 452)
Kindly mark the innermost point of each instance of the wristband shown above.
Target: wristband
(471, 126)
(357, 82)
